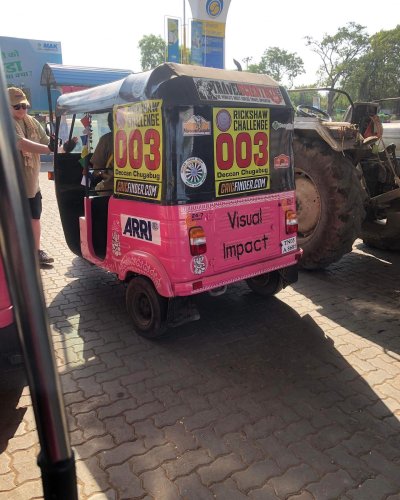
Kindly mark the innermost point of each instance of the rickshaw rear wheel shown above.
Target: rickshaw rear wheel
(147, 309)
(266, 284)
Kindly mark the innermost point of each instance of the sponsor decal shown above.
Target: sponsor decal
(115, 244)
(241, 152)
(223, 120)
(214, 7)
(141, 229)
(196, 125)
(193, 219)
(237, 250)
(193, 172)
(242, 186)
(199, 264)
(48, 46)
(138, 149)
(220, 90)
(140, 189)
(289, 244)
(237, 221)
(287, 126)
(281, 161)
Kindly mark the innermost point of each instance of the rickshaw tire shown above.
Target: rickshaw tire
(266, 284)
(147, 309)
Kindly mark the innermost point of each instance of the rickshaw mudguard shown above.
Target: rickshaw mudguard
(146, 264)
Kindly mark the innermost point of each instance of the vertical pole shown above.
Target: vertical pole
(184, 34)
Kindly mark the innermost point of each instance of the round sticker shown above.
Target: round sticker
(193, 172)
(223, 120)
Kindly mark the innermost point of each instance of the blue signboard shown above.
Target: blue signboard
(173, 40)
(207, 47)
(197, 46)
(23, 61)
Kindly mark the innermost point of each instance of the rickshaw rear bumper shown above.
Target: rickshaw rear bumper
(286, 264)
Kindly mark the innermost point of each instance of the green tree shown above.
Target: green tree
(339, 54)
(281, 65)
(377, 74)
(152, 51)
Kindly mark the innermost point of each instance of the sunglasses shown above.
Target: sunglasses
(19, 106)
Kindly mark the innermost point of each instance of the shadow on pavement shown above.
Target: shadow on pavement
(253, 400)
(360, 293)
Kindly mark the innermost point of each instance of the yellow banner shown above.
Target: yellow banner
(138, 149)
(241, 150)
(211, 28)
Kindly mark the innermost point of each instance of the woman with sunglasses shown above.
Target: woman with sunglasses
(32, 141)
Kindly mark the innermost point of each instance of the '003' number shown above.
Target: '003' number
(133, 149)
(228, 149)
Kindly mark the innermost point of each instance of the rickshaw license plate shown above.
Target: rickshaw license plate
(289, 244)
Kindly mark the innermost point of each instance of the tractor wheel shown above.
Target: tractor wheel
(330, 203)
(382, 234)
(266, 284)
(147, 309)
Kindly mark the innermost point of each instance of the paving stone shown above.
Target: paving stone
(149, 433)
(321, 462)
(220, 469)
(119, 454)
(200, 420)
(116, 408)
(172, 415)
(93, 478)
(191, 488)
(256, 475)
(267, 492)
(377, 462)
(186, 463)
(277, 451)
(227, 489)
(144, 411)
(207, 439)
(153, 458)
(180, 438)
(127, 484)
(242, 446)
(332, 485)
(377, 488)
(119, 429)
(159, 486)
(293, 480)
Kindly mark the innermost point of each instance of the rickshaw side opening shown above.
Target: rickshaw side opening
(203, 187)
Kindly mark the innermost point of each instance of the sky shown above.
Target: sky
(91, 35)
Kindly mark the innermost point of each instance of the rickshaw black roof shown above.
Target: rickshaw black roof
(142, 86)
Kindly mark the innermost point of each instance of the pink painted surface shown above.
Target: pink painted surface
(245, 237)
(6, 309)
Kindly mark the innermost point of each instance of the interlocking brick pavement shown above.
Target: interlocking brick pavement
(294, 397)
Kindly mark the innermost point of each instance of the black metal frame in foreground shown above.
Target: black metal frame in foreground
(56, 459)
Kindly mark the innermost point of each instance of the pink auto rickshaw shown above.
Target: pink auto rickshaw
(203, 187)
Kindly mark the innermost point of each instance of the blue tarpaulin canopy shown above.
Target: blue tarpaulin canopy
(55, 75)
(59, 75)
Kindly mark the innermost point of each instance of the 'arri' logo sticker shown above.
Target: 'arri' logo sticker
(141, 229)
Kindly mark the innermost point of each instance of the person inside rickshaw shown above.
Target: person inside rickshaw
(102, 162)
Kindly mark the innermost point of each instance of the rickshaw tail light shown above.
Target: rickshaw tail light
(197, 240)
(291, 222)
